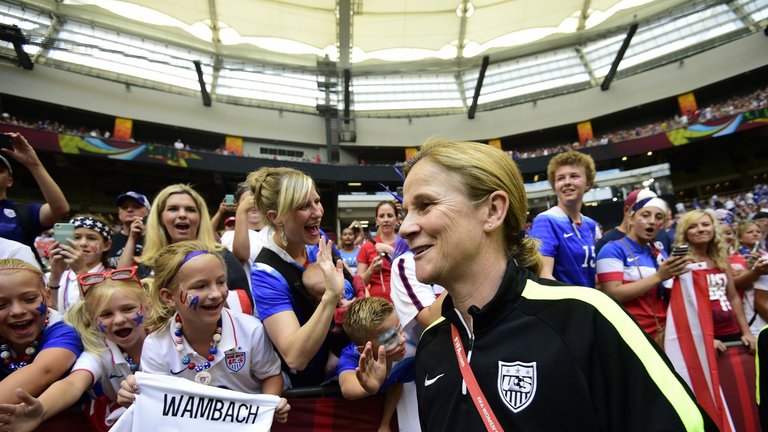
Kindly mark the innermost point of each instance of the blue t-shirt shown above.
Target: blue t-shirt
(271, 292)
(350, 259)
(571, 245)
(10, 228)
(272, 295)
(402, 371)
(56, 335)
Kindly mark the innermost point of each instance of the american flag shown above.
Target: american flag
(689, 343)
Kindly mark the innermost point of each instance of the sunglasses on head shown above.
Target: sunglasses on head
(87, 280)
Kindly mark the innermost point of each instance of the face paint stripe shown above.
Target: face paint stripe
(193, 302)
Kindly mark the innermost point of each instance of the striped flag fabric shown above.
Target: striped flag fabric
(689, 343)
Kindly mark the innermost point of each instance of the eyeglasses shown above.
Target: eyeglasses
(87, 280)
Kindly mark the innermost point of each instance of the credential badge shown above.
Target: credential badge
(517, 384)
(234, 360)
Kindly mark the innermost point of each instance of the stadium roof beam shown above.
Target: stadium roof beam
(478, 87)
(14, 35)
(583, 16)
(619, 55)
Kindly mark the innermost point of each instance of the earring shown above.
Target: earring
(283, 239)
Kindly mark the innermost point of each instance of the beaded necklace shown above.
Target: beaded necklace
(29, 352)
(202, 376)
(131, 364)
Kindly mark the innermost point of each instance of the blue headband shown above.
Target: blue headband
(640, 204)
(193, 254)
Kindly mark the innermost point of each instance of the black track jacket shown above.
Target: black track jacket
(551, 358)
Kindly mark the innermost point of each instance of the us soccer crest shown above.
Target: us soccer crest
(234, 360)
(517, 384)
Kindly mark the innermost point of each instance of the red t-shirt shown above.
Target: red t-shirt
(379, 282)
(723, 317)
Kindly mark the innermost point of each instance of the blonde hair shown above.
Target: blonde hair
(364, 317)
(167, 265)
(571, 157)
(716, 248)
(15, 265)
(281, 190)
(83, 314)
(156, 236)
(743, 227)
(482, 170)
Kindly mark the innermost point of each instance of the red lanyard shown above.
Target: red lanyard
(478, 398)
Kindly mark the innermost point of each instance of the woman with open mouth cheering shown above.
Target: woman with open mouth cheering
(179, 213)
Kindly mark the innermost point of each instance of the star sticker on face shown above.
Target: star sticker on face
(43, 308)
(139, 320)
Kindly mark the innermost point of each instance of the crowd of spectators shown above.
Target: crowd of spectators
(730, 106)
(276, 236)
(743, 205)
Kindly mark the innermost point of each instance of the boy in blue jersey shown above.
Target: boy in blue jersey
(374, 362)
(568, 237)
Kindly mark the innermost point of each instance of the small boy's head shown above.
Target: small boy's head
(314, 281)
(374, 319)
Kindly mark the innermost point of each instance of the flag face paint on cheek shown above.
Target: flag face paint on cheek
(193, 301)
(189, 301)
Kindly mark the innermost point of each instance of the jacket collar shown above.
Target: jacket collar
(489, 315)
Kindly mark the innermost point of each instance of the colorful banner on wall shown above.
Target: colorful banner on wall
(585, 131)
(123, 129)
(687, 103)
(495, 143)
(410, 152)
(49, 141)
(234, 146)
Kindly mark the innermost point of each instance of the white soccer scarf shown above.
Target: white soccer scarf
(171, 404)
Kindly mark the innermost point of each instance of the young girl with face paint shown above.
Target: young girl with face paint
(36, 347)
(85, 253)
(195, 337)
(110, 320)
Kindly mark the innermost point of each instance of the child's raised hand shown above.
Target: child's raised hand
(333, 274)
(281, 412)
(21, 417)
(371, 372)
(128, 391)
(72, 256)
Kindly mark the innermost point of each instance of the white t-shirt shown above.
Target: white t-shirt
(749, 305)
(14, 249)
(245, 354)
(255, 240)
(69, 289)
(108, 369)
(409, 297)
(173, 404)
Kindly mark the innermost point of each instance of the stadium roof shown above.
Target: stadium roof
(418, 57)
